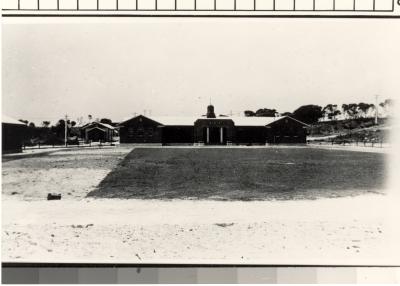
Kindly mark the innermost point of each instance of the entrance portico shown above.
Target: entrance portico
(214, 135)
(214, 131)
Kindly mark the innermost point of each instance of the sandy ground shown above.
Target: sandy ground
(352, 231)
(72, 172)
(331, 231)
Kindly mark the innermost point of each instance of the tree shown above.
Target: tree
(331, 111)
(106, 121)
(59, 129)
(345, 108)
(46, 124)
(266, 112)
(24, 121)
(363, 108)
(351, 110)
(308, 113)
(249, 113)
(31, 125)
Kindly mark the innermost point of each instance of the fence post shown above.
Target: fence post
(39, 144)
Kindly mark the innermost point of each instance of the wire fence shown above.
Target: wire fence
(79, 145)
(371, 144)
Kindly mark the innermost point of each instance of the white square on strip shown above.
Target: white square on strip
(28, 4)
(107, 4)
(284, 5)
(344, 5)
(126, 4)
(365, 5)
(68, 4)
(185, 4)
(306, 5)
(48, 4)
(87, 4)
(324, 5)
(244, 4)
(146, 4)
(383, 5)
(225, 5)
(10, 4)
(265, 5)
(165, 4)
(205, 4)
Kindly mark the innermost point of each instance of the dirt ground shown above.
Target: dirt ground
(71, 172)
(350, 230)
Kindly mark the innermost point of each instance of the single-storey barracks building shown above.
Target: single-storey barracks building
(212, 130)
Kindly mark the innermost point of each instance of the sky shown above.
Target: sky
(176, 66)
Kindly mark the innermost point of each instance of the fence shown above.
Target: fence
(373, 144)
(79, 145)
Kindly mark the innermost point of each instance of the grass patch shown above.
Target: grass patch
(243, 174)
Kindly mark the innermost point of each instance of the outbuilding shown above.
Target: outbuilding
(98, 132)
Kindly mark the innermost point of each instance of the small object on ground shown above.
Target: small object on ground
(14, 193)
(53, 196)
(224, 224)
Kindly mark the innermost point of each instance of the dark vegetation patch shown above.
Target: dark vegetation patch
(243, 174)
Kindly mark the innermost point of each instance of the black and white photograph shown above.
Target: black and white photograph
(245, 141)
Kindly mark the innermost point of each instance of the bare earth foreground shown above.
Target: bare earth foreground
(355, 227)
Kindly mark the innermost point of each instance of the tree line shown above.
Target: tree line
(312, 113)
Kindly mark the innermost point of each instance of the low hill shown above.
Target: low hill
(351, 130)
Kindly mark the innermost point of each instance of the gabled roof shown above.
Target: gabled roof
(96, 127)
(99, 123)
(9, 120)
(301, 122)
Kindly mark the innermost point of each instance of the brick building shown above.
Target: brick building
(212, 130)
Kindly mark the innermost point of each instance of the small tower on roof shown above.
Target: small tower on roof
(210, 111)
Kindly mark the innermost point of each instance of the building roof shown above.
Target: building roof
(9, 120)
(254, 121)
(99, 123)
(190, 120)
(174, 120)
